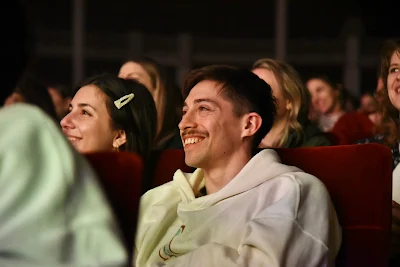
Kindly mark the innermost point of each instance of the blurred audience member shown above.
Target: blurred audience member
(368, 103)
(349, 102)
(291, 127)
(52, 209)
(326, 101)
(369, 106)
(61, 96)
(29, 90)
(333, 109)
(166, 94)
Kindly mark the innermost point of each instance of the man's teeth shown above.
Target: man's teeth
(193, 140)
(73, 139)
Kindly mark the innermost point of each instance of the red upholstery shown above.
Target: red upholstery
(358, 178)
(120, 174)
(165, 163)
(352, 127)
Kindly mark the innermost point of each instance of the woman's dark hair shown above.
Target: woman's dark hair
(170, 98)
(138, 118)
(36, 93)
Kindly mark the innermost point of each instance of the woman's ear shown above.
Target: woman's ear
(119, 139)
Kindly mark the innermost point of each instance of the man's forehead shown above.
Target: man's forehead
(205, 89)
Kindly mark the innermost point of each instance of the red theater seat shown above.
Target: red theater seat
(359, 179)
(120, 174)
(352, 127)
(164, 165)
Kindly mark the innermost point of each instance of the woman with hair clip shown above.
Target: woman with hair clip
(167, 97)
(291, 127)
(111, 114)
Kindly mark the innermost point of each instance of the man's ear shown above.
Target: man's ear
(252, 122)
(119, 139)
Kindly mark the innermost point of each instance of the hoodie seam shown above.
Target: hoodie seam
(297, 224)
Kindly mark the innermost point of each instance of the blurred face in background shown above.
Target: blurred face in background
(13, 99)
(61, 104)
(133, 70)
(269, 77)
(368, 104)
(324, 98)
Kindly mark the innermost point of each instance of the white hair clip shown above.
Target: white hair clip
(123, 100)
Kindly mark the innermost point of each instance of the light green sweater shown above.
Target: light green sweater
(52, 210)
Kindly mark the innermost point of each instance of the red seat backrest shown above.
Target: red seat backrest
(165, 163)
(120, 174)
(359, 179)
(352, 127)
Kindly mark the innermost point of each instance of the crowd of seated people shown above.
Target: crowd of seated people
(240, 207)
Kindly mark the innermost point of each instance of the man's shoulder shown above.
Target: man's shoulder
(307, 181)
(300, 180)
(290, 172)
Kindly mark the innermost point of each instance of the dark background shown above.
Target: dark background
(219, 18)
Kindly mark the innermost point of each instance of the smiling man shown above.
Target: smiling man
(237, 208)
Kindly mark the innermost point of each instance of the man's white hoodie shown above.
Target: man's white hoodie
(270, 214)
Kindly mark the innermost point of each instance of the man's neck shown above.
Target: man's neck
(217, 177)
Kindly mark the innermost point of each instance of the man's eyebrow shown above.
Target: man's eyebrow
(200, 100)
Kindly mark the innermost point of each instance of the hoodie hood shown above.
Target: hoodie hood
(264, 166)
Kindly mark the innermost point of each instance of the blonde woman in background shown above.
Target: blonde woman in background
(291, 127)
(166, 95)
